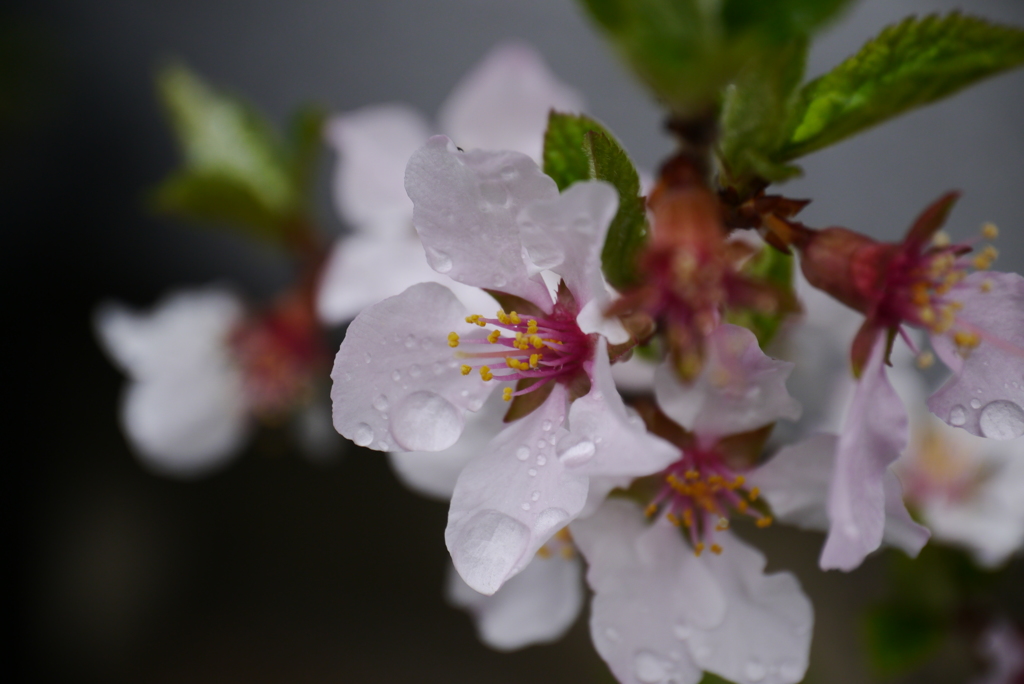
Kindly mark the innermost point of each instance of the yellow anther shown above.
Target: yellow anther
(742, 506)
(503, 317)
(990, 253)
(564, 535)
(716, 549)
(966, 339)
(482, 322)
(514, 317)
(738, 482)
(925, 360)
(568, 553)
(650, 510)
(453, 339)
(722, 524)
(986, 285)
(764, 522)
(544, 552)
(485, 373)
(536, 342)
(534, 360)
(466, 370)
(698, 549)
(990, 231)
(506, 394)
(674, 519)
(531, 326)
(473, 319)
(494, 336)
(919, 294)
(926, 314)
(981, 263)
(754, 493)
(692, 475)
(941, 239)
(688, 517)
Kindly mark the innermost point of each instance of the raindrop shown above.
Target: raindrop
(523, 453)
(1002, 419)
(363, 435)
(464, 393)
(384, 446)
(975, 404)
(525, 506)
(488, 546)
(754, 671)
(425, 421)
(532, 472)
(439, 261)
(410, 342)
(509, 174)
(957, 416)
(682, 632)
(396, 376)
(541, 460)
(381, 403)
(535, 495)
(368, 358)
(573, 451)
(648, 668)
(474, 404)
(414, 371)
(546, 425)
(541, 443)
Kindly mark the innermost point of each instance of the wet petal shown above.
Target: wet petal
(795, 481)
(503, 103)
(765, 635)
(738, 390)
(647, 587)
(397, 383)
(874, 435)
(511, 499)
(605, 441)
(374, 145)
(465, 206)
(566, 235)
(536, 606)
(434, 473)
(986, 396)
(364, 270)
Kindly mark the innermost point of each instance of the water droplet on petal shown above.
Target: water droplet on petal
(754, 671)
(957, 416)
(546, 425)
(975, 404)
(381, 403)
(532, 472)
(541, 443)
(648, 668)
(439, 261)
(509, 173)
(574, 451)
(396, 376)
(525, 506)
(1002, 419)
(414, 371)
(541, 460)
(549, 521)
(474, 404)
(683, 632)
(363, 435)
(523, 453)
(425, 421)
(410, 342)
(487, 548)
(367, 357)
(535, 495)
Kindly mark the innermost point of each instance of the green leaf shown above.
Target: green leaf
(908, 65)
(221, 134)
(774, 269)
(780, 20)
(755, 113)
(713, 679)
(564, 157)
(306, 142)
(628, 231)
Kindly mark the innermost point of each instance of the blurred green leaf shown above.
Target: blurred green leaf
(688, 50)
(628, 231)
(775, 269)
(713, 679)
(902, 635)
(908, 65)
(565, 159)
(236, 169)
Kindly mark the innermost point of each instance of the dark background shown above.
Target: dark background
(278, 569)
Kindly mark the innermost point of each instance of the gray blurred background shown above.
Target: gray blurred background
(276, 569)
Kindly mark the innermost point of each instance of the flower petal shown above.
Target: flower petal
(511, 499)
(795, 481)
(397, 383)
(364, 270)
(900, 529)
(566, 235)
(765, 635)
(536, 606)
(873, 437)
(464, 208)
(503, 103)
(986, 396)
(434, 473)
(374, 145)
(605, 441)
(738, 390)
(647, 585)
(188, 425)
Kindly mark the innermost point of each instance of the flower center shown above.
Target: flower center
(521, 347)
(699, 494)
